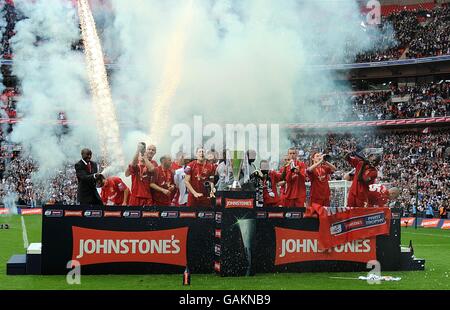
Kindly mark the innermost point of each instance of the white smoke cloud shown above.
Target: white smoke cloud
(53, 79)
(245, 61)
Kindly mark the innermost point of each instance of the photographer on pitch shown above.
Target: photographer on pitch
(87, 172)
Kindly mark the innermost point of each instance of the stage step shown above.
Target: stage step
(16, 265)
(34, 258)
(408, 262)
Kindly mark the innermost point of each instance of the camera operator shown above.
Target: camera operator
(365, 175)
(319, 175)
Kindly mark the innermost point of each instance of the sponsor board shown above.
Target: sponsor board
(217, 266)
(293, 215)
(261, 215)
(217, 249)
(218, 217)
(430, 223)
(73, 213)
(356, 223)
(94, 246)
(238, 203)
(192, 215)
(278, 215)
(4, 211)
(131, 214)
(446, 224)
(205, 215)
(54, 213)
(154, 214)
(31, 211)
(407, 221)
(169, 214)
(295, 246)
(93, 213)
(112, 214)
(218, 233)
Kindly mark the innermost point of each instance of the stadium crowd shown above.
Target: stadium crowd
(9, 14)
(417, 101)
(416, 33)
(412, 161)
(404, 155)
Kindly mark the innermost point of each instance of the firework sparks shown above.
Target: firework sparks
(159, 118)
(104, 109)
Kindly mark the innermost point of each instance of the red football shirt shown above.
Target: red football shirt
(163, 178)
(295, 182)
(140, 180)
(320, 189)
(378, 195)
(274, 199)
(174, 167)
(359, 191)
(113, 191)
(200, 173)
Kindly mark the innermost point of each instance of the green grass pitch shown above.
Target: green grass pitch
(430, 244)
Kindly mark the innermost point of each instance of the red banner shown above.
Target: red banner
(4, 211)
(238, 203)
(294, 246)
(446, 224)
(31, 211)
(342, 225)
(92, 246)
(430, 223)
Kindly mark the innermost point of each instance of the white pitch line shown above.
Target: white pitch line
(344, 278)
(24, 233)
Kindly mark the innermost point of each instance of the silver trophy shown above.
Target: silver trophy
(247, 228)
(237, 159)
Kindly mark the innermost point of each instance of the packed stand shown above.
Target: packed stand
(404, 155)
(434, 38)
(422, 101)
(9, 14)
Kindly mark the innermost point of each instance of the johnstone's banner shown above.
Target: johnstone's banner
(341, 225)
(127, 240)
(296, 246)
(92, 246)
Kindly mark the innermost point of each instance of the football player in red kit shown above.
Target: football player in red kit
(319, 175)
(141, 170)
(365, 175)
(162, 185)
(178, 163)
(197, 173)
(268, 180)
(114, 191)
(295, 171)
(379, 195)
(282, 183)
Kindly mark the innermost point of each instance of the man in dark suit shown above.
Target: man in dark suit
(86, 170)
